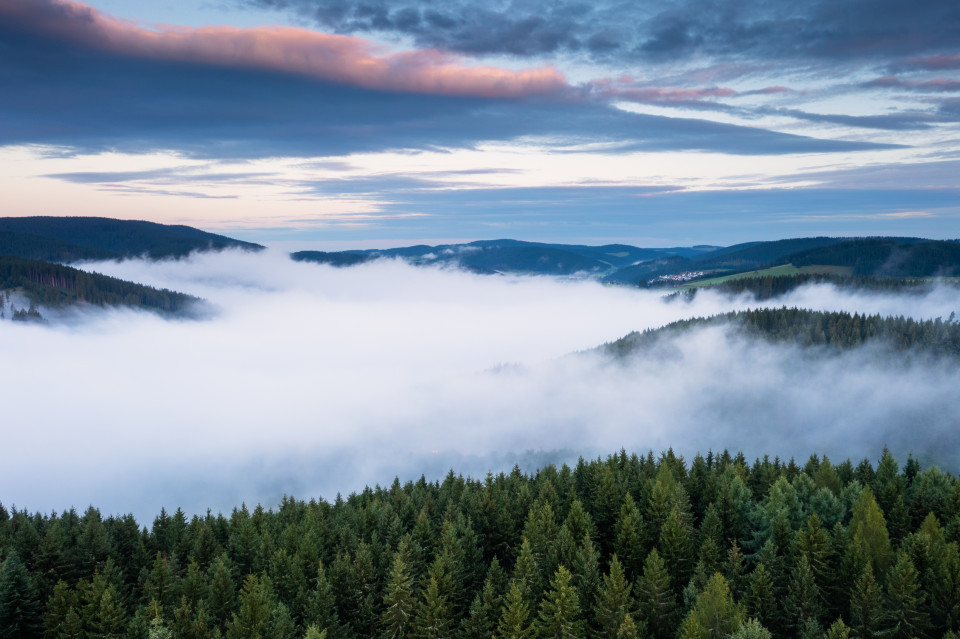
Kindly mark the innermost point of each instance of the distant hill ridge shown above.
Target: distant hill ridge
(70, 239)
(625, 264)
(512, 256)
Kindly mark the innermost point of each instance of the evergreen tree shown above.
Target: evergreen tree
(321, 609)
(760, 599)
(19, 605)
(869, 529)
(256, 609)
(628, 543)
(560, 610)
(527, 574)
(904, 601)
(102, 613)
(803, 603)
(481, 622)
(655, 599)
(514, 619)
(615, 601)
(61, 619)
(399, 601)
(838, 630)
(586, 575)
(280, 624)
(628, 629)
(866, 606)
(715, 614)
(432, 619)
(221, 593)
(751, 629)
(677, 548)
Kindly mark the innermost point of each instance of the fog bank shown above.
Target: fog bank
(312, 380)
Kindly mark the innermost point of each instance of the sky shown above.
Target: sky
(307, 380)
(328, 123)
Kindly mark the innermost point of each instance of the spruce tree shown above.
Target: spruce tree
(656, 601)
(255, 610)
(514, 618)
(481, 621)
(866, 606)
(838, 630)
(432, 619)
(715, 613)
(559, 616)
(614, 601)
(399, 601)
(751, 629)
(803, 602)
(904, 601)
(760, 600)
(19, 606)
(221, 593)
(628, 542)
(676, 547)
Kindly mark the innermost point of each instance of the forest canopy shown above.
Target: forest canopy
(627, 546)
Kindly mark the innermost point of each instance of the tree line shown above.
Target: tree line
(836, 330)
(627, 546)
(773, 286)
(57, 286)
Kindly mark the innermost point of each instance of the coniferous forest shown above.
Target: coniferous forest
(627, 546)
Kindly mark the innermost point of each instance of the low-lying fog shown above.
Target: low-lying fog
(309, 380)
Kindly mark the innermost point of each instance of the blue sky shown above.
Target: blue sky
(327, 122)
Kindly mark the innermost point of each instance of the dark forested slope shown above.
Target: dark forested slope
(56, 286)
(773, 286)
(837, 330)
(886, 257)
(65, 239)
(623, 547)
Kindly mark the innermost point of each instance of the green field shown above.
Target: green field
(785, 269)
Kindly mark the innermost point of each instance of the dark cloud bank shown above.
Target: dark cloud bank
(312, 380)
(675, 29)
(71, 93)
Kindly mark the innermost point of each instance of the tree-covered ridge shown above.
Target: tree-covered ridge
(835, 329)
(55, 286)
(773, 286)
(626, 546)
(886, 257)
(65, 239)
(35, 247)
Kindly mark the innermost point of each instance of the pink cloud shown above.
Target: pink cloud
(933, 84)
(934, 62)
(335, 58)
(609, 89)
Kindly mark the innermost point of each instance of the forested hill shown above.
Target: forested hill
(886, 257)
(56, 286)
(768, 287)
(68, 239)
(837, 330)
(624, 547)
(512, 256)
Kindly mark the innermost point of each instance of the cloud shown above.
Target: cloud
(931, 63)
(625, 89)
(315, 380)
(333, 58)
(666, 32)
(911, 84)
(63, 94)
